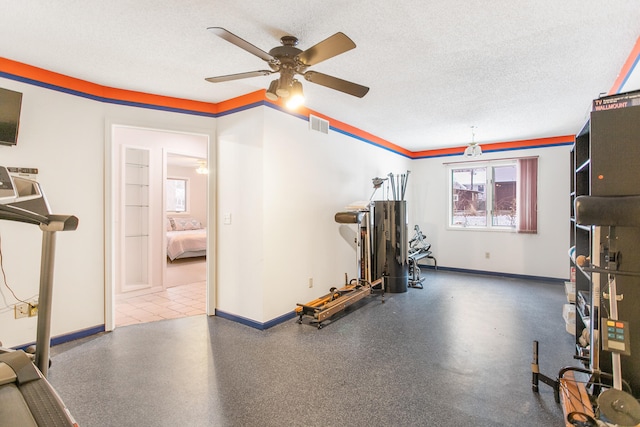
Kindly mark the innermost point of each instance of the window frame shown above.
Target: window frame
(187, 195)
(489, 167)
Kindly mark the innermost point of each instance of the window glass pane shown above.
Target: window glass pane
(504, 196)
(469, 197)
(176, 195)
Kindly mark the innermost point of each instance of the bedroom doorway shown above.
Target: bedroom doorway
(150, 282)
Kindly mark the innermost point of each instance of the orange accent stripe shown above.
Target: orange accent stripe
(49, 77)
(528, 143)
(498, 146)
(108, 93)
(358, 133)
(126, 96)
(242, 101)
(633, 58)
(160, 100)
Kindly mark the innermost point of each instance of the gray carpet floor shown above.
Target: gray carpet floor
(456, 353)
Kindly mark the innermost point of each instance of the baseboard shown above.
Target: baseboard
(60, 339)
(495, 273)
(254, 324)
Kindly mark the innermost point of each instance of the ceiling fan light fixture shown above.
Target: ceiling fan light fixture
(285, 83)
(282, 91)
(296, 97)
(202, 168)
(473, 150)
(272, 91)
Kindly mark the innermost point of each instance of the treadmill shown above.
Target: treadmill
(26, 397)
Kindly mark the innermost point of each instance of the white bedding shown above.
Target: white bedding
(182, 244)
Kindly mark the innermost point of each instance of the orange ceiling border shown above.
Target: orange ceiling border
(48, 79)
(628, 67)
(40, 77)
(524, 144)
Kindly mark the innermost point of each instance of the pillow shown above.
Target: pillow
(187, 223)
(169, 224)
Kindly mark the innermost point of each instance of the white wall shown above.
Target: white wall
(240, 250)
(308, 177)
(282, 185)
(542, 255)
(62, 136)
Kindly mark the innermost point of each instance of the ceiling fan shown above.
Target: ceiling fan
(290, 61)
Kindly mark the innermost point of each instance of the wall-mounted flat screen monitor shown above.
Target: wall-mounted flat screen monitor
(10, 105)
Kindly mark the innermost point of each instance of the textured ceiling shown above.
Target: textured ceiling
(513, 69)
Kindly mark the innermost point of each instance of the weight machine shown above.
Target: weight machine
(353, 291)
(604, 397)
(27, 397)
(381, 252)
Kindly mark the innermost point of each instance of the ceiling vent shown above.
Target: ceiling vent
(318, 124)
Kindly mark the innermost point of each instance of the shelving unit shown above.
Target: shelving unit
(605, 161)
(136, 220)
(581, 240)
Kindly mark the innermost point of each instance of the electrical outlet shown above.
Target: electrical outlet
(21, 310)
(311, 282)
(487, 255)
(33, 309)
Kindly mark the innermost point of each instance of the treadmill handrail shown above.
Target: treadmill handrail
(46, 222)
(14, 213)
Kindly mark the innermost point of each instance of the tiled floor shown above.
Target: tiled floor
(175, 302)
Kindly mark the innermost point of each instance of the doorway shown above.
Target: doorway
(146, 284)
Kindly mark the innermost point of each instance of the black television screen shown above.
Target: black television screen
(10, 105)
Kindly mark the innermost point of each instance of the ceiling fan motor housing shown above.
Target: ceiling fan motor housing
(288, 60)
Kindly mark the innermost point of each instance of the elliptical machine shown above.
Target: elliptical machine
(419, 249)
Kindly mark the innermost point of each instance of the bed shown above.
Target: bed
(186, 238)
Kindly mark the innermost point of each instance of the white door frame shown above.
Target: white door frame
(112, 210)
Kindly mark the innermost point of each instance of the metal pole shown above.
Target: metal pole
(393, 185)
(406, 179)
(44, 300)
(535, 368)
(616, 367)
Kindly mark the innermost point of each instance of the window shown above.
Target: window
(499, 195)
(177, 194)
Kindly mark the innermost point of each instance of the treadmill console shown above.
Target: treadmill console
(7, 190)
(615, 337)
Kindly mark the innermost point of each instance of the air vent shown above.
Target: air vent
(318, 124)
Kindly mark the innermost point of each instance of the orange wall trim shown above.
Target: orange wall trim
(47, 79)
(627, 69)
(341, 127)
(62, 83)
(499, 146)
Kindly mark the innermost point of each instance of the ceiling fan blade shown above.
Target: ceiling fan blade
(328, 48)
(241, 43)
(336, 83)
(238, 76)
